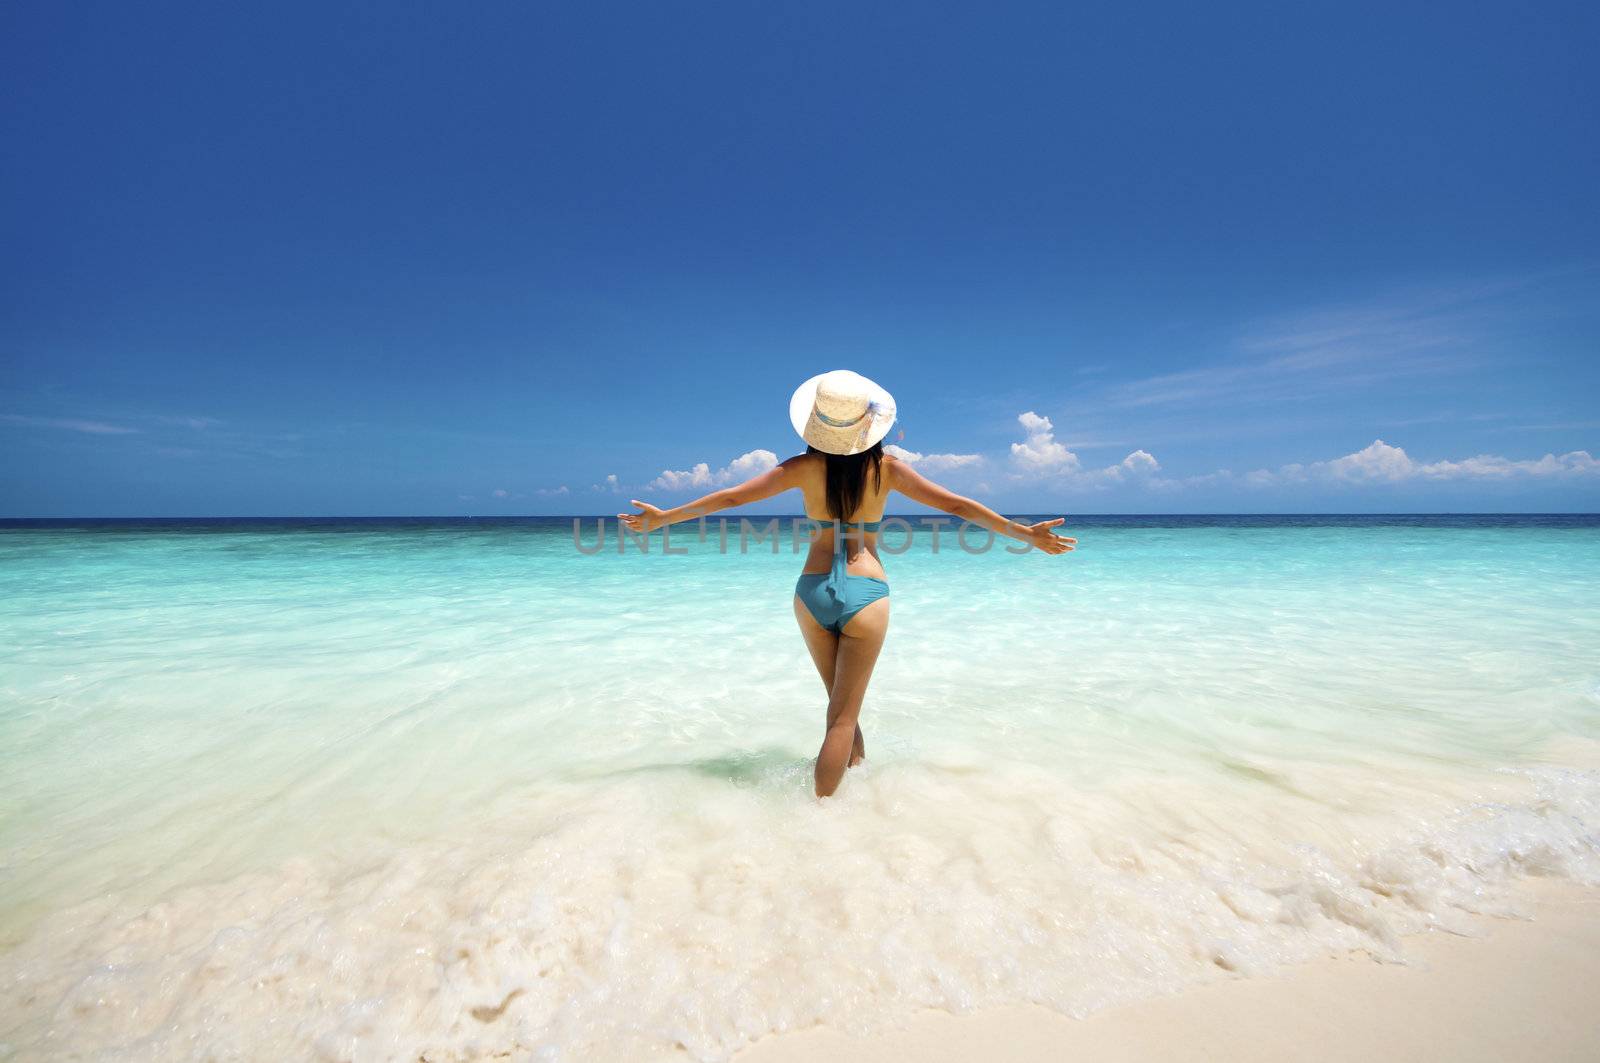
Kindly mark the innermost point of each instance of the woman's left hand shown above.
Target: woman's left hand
(648, 519)
(1044, 539)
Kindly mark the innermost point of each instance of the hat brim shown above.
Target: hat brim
(853, 439)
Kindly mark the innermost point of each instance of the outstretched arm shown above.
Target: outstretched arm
(772, 482)
(918, 488)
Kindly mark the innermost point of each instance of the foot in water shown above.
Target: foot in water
(858, 749)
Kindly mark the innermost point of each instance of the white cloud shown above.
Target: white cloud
(1140, 463)
(549, 491)
(1337, 350)
(674, 480)
(1139, 468)
(1041, 456)
(1379, 461)
(1492, 466)
(610, 484)
(501, 492)
(934, 462)
(752, 463)
(68, 424)
(1383, 463)
(1040, 452)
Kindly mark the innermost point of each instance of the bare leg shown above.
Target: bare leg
(856, 654)
(824, 647)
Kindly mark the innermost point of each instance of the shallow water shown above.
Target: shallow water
(377, 790)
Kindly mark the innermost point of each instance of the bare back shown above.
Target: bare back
(811, 472)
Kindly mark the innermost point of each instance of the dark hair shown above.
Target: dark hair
(847, 478)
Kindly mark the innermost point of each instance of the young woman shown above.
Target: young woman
(842, 599)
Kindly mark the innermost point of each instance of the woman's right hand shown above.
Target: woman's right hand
(648, 519)
(1040, 535)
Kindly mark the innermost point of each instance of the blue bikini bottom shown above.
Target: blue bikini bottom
(834, 597)
(832, 605)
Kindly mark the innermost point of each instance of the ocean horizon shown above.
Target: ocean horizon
(1400, 515)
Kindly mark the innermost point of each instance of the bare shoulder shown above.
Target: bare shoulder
(895, 468)
(800, 464)
(801, 467)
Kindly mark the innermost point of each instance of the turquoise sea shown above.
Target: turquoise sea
(441, 789)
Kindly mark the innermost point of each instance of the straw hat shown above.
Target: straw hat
(841, 412)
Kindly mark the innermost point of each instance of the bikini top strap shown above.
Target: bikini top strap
(846, 525)
(834, 584)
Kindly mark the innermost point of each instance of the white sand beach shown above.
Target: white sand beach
(1525, 989)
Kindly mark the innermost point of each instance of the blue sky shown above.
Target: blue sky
(533, 258)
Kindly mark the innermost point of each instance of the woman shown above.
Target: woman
(842, 599)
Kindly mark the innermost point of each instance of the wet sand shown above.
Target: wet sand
(1524, 990)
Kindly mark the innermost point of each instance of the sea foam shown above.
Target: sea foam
(616, 920)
